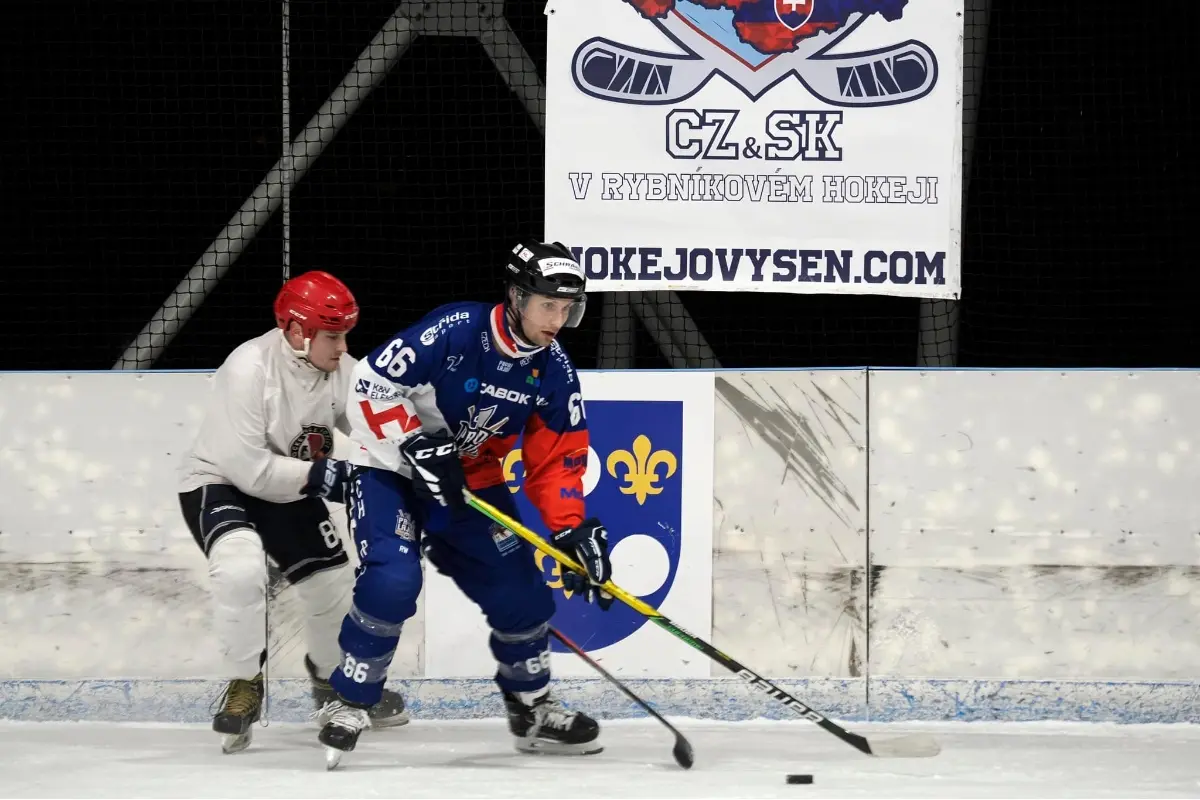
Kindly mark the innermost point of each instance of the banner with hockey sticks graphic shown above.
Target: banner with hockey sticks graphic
(805, 146)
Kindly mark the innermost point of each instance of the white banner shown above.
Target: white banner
(807, 146)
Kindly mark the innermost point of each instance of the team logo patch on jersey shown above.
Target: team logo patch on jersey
(406, 527)
(313, 441)
(505, 539)
(472, 433)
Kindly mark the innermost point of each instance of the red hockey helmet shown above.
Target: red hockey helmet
(318, 301)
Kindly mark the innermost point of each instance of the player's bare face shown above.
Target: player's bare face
(543, 317)
(325, 349)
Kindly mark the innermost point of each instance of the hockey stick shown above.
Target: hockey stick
(909, 746)
(684, 756)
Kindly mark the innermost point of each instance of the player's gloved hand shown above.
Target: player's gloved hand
(437, 470)
(588, 543)
(327, 478)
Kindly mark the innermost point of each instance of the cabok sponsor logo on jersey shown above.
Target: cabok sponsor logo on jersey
(634, 484)
(755, 45)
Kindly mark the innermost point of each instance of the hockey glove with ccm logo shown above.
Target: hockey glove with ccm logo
(437, 471)
(588, 542)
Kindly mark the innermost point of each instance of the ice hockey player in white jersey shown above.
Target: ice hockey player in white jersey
(255, 480)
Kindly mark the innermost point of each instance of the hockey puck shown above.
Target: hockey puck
(799, 778)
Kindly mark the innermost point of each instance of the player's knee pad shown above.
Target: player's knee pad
(385, 596)
(327, 592)
(237, 568)
(238, 579)
(388, 591)
(326, 599)
(514, 608)
(522, 658)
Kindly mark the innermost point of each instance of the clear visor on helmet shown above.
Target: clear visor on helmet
(544, 306)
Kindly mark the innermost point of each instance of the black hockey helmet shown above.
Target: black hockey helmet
(548, 269)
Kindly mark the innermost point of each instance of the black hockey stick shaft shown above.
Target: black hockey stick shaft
(684, 756)
(916, 746)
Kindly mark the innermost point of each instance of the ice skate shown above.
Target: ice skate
(241, 709)
(389, 712)
(541, 725)
(342, 724)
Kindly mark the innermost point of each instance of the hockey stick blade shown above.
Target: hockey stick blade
(917, 745)
(906, 748)
(684, 755)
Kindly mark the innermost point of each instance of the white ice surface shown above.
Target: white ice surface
(474, 759)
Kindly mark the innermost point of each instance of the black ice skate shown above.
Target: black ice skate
(541, 725)
(342, 725)
(241, 709)
(389, 712)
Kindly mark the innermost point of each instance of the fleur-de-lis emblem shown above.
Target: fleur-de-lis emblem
(555, 579)
(509, 466)
(641, 468)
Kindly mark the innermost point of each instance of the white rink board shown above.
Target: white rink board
(1059, 507)
(1013, 545)
(789, 505)
(99, 576)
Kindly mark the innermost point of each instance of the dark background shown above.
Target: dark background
(135, 129)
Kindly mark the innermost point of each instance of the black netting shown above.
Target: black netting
(1077, 206)
(136, 131)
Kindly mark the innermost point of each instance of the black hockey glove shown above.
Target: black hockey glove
(588, 543)
(327, 479)
(437, 472)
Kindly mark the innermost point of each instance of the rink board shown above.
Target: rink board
(892, 700)
(898, 544)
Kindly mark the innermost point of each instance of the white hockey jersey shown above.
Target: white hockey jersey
(268, 415)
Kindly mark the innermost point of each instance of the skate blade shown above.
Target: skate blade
(235, 742)
(333, 757)
(394, 721)
(542, 747)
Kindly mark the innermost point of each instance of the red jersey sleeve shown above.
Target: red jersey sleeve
(555, 446)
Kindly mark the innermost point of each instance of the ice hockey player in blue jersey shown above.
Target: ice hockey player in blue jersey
(433, 410)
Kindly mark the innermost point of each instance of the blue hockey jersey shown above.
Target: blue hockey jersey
(460, 369)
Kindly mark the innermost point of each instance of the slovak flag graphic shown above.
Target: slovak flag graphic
(794, 13)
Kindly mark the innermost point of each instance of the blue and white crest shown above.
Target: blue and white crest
(793, 13)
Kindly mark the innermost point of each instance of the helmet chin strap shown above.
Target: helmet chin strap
(302, 355)
(516, 322)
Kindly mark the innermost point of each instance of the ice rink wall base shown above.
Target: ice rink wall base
(701, 698)
(891, 544)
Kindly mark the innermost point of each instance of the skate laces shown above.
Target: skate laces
(240, 697)
(335, 712)
(550, 714)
